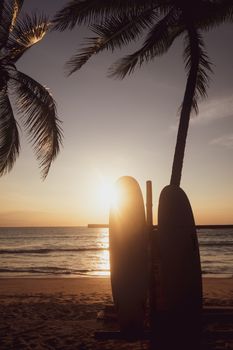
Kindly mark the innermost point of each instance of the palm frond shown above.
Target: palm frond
(214, 13)
(4, 76)
(114, 33)
(38, 113)
(204, 68)
(83, 55)
(8, 13)
(27, 32)
(121, 30)
(20, 4)
(1, 10)
(96, 11)
(158, 41)
(9, 137)
(16, 8)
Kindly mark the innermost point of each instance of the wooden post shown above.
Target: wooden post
(149, 220)
(149, 204)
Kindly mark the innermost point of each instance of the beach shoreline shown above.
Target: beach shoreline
(213, 288)
(61, 313)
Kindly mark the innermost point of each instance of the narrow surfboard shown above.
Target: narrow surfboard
(179, 268)
(128, 255)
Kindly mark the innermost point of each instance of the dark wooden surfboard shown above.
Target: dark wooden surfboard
(180, 282)
(128, 255)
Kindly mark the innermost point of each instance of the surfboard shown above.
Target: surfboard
(180, 285)
(128, 255)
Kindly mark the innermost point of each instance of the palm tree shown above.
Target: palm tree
(116, 23)
(33, 101)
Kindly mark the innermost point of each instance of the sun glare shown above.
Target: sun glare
(106, 194)
(109, 195)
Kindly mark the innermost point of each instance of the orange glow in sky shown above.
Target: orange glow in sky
(117, 128)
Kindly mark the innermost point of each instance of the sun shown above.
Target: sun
(109, 196)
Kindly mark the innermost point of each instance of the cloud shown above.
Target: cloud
(210, 111)
(224, 141)
(215, 109)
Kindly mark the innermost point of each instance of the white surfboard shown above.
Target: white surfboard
(128, 255)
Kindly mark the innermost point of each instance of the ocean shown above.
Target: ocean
(81, 251)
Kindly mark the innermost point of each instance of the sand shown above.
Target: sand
(61, 313)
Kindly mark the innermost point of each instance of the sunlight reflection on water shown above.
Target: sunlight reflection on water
(82, 251)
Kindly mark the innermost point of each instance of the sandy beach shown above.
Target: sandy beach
(61, 313)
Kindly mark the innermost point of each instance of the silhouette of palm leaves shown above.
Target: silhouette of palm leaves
(116, 23)
(33, 101)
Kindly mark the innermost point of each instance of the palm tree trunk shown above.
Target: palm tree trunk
(186, 107)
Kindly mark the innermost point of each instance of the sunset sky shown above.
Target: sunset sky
(114, 128)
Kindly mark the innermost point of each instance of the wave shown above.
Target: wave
(94, 249)
(50, 270)
(59, 271)
(216, 244)
(49, 250)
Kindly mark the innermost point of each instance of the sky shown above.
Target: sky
(114, 128)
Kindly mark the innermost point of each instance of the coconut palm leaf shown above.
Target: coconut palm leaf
(26, 32)
(9, 137)
(214, 13)
(34, 102)
(20, 4)
(175, 17)
(113, 33)
(204, 67)
(158, 41)
(92, 11)
(1, 9)
(121, 30)
(7, 16)
(9, 10)
(38, 113)
(16, 8)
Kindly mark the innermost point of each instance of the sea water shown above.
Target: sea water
(82, 251)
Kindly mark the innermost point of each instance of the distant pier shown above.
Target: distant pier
(198, 227)
(97, 225)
